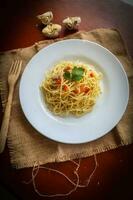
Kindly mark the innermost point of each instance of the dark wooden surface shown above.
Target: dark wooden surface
(113, 178)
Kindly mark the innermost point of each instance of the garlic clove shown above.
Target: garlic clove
(72, 23)
(52, 30)
(46, 17)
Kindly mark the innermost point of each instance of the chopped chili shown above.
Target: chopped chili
(76, 91)
(67, 68)
(57, 80)
(84, 89)
(91, 74)
(65, 88)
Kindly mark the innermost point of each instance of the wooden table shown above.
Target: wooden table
(114, 175)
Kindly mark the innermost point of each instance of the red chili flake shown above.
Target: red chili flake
(91, 74)
(65, 88)
(57, 80)
(84, 89)
(67, 68)
(76, 91)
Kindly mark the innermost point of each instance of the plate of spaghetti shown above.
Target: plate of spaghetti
(74, 91)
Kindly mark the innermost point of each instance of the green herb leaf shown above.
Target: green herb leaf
(67, 75)
(77, 73)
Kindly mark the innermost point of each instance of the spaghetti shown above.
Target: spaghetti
(71, 88)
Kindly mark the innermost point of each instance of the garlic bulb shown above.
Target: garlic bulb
(72, 23)
(46, 17)
(52, 30)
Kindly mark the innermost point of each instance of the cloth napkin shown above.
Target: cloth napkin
(26, 145)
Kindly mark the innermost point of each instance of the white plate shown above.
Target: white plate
(108, 110)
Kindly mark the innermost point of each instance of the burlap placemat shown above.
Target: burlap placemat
(26, 145)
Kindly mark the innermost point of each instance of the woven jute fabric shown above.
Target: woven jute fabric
(26, 145)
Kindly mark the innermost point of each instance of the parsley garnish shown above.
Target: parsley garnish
(67, 75)
(75, 75)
